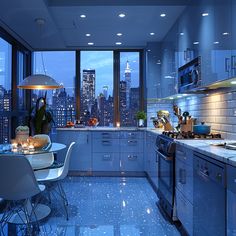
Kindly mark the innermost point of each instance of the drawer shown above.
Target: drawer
(184, 154)
(105, 134)
(131, 162)
(131, 135)
(106, 161)
(131, 145)
(184, 179)
(106, 145)
(184, 212)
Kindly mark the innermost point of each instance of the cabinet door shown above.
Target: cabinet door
(103, 161)
(131, 162)
(223, 56)
(81, 159)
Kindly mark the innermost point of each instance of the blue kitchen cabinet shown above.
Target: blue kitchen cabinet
(131, 151)
(184, 186)
(151, 161)
(169, 64)
(153, 70)
(223, 53)
(81, 159)
(105, 151)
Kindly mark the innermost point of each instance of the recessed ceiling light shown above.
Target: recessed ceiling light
(205, 14)
(119, 34)
(225, 33)
(152, 33)
(87, 35)
(90, 43)
(162, 15)
(216, 42)
(118, 43)
(233, 82)
(181, 33)
(149, 50)
(82, 16)
(122, 15)
(196, 42)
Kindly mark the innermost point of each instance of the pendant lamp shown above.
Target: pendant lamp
(39, 81)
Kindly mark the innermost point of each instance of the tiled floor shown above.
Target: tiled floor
(109, 206)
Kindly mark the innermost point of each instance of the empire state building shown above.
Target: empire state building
(128, 83)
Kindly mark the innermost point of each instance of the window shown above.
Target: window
(5, 89)
(129, 88)
(60, 65)
(96, 69)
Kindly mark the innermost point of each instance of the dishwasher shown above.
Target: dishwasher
(209, 196)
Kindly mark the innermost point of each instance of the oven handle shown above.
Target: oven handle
(166, 158)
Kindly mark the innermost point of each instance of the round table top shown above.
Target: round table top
(6, 149)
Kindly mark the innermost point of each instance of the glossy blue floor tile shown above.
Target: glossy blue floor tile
(109, 206)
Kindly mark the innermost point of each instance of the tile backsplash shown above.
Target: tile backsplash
(217, 110)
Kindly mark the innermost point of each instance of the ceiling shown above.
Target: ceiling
(65, 29)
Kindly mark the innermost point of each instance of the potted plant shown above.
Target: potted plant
(141, 117)
(41, 119)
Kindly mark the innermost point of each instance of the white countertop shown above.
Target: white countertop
(205, 147)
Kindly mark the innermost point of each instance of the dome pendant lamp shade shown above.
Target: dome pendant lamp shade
(39, 81)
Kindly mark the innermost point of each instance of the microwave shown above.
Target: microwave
(189, 76)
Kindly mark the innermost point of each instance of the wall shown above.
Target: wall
(217, 110)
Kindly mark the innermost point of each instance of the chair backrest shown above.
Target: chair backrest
(17, 179)
(44, 136)
(67, 161)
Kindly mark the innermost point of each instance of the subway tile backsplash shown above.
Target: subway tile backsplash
(217, 110)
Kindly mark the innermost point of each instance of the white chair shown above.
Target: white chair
(56, 175)
(18, 186)
(40, 161)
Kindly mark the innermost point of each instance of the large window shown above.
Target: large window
(129, 88)
(97, 99)
(5, 89)
(60, 65)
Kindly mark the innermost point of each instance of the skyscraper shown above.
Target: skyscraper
(105, 91)
(128, 83)
(88, 90)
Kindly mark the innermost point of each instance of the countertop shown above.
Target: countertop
(207, 147)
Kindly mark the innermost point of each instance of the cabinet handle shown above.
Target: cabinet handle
(227, 64)
(132, 157)
(106, 157)
(132, 141)
(105, 142)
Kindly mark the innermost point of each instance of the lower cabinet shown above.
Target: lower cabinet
(81, 159)
(184, 186)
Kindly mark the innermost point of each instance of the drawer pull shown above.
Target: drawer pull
(105, 142)
(132, 157)
(106, 157)
(132, 141)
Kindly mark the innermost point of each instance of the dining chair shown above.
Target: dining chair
(39, 161)
(52, 178)
(18, 186)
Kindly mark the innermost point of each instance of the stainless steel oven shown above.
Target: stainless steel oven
(165, 154)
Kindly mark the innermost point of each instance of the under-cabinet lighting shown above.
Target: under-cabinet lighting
(152, 33)
(118, 43)
(119, 34)
(162, 15)
(171, 98)
(233, 82)
(225, 33)
(82, 16)
(87, 35)
(90, 43)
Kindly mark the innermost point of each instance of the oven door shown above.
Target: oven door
(165, 176)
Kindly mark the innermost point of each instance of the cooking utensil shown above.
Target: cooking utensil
(185, 115)
(202, 129)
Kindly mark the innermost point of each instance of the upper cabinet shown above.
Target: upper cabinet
(153, 70)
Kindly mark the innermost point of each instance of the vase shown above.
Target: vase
(140, 123)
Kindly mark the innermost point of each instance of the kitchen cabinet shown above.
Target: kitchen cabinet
(153, 70)
(81, 159)
(184, 186)
(151, 162)
(231, 200)
(105, 151)
(131, 151)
